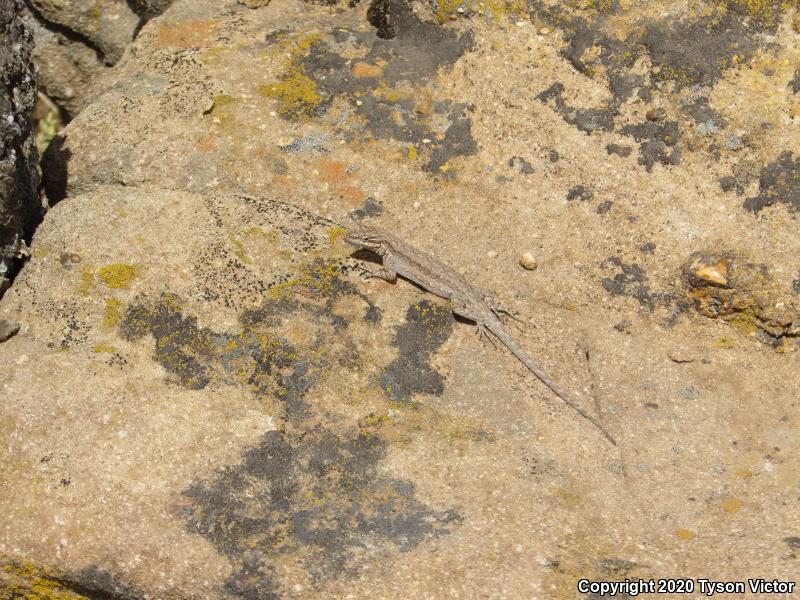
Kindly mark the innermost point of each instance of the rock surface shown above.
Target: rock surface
(20, 208)
(204, 383)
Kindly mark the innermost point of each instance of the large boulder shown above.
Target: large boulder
(20, 208)
(209, 398)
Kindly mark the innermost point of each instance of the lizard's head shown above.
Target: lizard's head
(364, 237)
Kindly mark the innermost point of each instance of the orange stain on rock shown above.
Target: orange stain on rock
(731, 505)
(207, 142)
(335, 174)
(186, 34)
(362, 69)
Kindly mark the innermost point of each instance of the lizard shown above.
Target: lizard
(468, 301)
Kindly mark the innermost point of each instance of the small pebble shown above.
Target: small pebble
(491, 254)
(8, 329)
(679, 355)
(544, 30)
(656, 114)
(528, 262)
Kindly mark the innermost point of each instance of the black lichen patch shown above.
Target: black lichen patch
(255, 356)
(379, 15)
(419, 48)
(779, 182)
(314, 498)
(796, 285)
(427, 327)
(619, 150)
(585, 119)
(793, 542)
(96, 582)
(458, 141)
(729, 183)
(658, 142)
(632, 281)
(580, 192)
(697, 50)
(404, 51)
(182, 347)
(615, 58)
(691, 51)
(369, 208)
(524, 166)
(604, 207)
(593, 53)
(794, 83)
(703, 114)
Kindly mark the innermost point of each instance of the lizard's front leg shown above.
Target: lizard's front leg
(464, 309)
(385, 271)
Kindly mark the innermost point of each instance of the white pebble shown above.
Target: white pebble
(527, 261)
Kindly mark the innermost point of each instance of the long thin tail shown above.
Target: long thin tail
(501, 334)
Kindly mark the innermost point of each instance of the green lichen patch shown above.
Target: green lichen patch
(764, 13)
(296, 93)
(315, 499)
(319, 279)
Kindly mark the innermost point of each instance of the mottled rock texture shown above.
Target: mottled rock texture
(20, 208)
(207, 398)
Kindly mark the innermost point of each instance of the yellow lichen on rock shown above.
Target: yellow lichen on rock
(22, 579)
(118, 276)
(112, 314)
(296, 93)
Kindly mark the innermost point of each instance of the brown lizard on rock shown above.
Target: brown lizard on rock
(468, 301)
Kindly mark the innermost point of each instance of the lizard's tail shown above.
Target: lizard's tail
(512, 345)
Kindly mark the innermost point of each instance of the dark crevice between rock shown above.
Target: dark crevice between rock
(68, 33)
(55, 170)
(21, 210)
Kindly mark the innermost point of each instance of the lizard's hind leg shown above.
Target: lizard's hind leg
(482, 334)
(497, 307)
